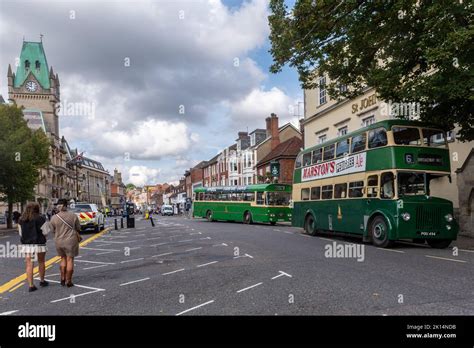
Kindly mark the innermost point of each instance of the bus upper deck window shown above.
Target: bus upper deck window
(329, 152)
(358, 142)
(342, 148)
(434, 137)
(406, 135)
(387, 185)
(299, 160)
(377, 138)
(307, 159)
(317, 155)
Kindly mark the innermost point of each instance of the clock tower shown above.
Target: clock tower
(35, 87)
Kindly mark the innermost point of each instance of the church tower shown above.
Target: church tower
(35, 87)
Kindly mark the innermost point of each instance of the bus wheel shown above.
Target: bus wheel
(439, 243)
(379, 232)
(310, 225)
(247, 218)
(209, 215)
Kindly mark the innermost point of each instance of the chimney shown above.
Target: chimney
(242, 135)
(274, 131)
(268, 126)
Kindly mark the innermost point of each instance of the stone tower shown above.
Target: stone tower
(35, 87)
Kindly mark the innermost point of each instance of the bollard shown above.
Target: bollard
(121, 222)
(152, 222)
(115, 224)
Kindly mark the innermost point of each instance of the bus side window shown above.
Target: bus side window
(358, 142)
(329, 152)
(340, 190)
(377, 138)
(372, 186)
(387, 185)
(317, 155)
(305, 194)
(307, 159)
(342, 148)
(315, 193)
(355, 189)
(260, 198)
(326, 192)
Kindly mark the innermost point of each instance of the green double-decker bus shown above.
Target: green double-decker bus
(375, 182)
(266, 203)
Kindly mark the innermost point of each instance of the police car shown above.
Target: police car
(89, 216)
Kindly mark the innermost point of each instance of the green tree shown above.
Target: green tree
(409, 50)
(22, 153)
(130, 187)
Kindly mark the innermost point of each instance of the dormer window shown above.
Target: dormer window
(27, 64)
(37, 65)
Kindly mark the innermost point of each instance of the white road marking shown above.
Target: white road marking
(9, 312)
(79, 295)
(444, 258)
(153, 238)
(325, 239)
(205, 238)
(152, 245)
(249, 256)
(106, 252)
(161, 255)
(209, 263)
(395, 251)
(134, 248)
(178, 270)
(276, 230)
(98, 249)
(123, 242)
(250, 287)
(101, 245)
(134, 281)
(190, 309)
(282, 274)
(102, 263)
(186, 240)
(95, 267)
(195, 233)
(131, 260)
(193, 249)
(288, 232)
(467, 251)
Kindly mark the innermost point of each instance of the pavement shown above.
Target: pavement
(195, 267)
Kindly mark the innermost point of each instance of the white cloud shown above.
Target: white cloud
(259, 103)
(141, 175)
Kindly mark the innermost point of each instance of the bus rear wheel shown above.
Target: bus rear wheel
(379, 233)
(310, 225)
(439, 243)
(247, 218)
(209, 215)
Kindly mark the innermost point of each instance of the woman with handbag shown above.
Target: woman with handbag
(33, 228)
(65, 226)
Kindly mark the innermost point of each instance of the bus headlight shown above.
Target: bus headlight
(448, 217)
(448, 227)
(406, 216)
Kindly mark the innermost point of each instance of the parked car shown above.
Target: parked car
(89, 216)
(167, 210)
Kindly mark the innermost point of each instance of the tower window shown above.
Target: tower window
(37, 65)
(27, 64)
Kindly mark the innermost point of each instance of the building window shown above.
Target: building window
(322, 90)
(37, 65)
(342, 131)
(368, 121)
(252, 140)
(322, 138)
(27, 64)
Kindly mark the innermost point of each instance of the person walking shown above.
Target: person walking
(66, 227)
(33, 229)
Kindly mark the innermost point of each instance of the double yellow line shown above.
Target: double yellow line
(15, 283)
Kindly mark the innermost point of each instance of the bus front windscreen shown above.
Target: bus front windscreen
(411, 183)
(278, 198)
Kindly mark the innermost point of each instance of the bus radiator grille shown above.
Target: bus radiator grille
(428, 218)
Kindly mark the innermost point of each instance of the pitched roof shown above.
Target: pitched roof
(289, 148)
(32, 52)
